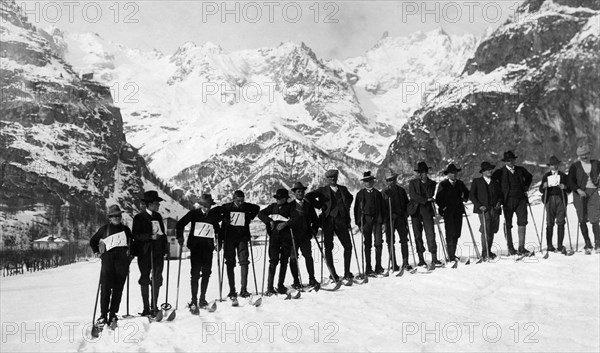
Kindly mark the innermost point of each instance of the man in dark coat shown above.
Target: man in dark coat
(305, 225)
(486, 196)
(276, 217)
(204, 232)
(554, 191)
(396, 196)
(514, 182)
(369, 214)
(584, 180)
(450, 197)
(150, 246)
(237, 216)
(111, 242)
(421, 191)
(335, 218)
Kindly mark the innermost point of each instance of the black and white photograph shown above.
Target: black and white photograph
(300, 176)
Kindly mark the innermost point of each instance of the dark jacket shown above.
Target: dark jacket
(399, 201)
(578, 177)
(481, 197)
(419, 192)
(360, 202)
(142, 232)
(502, 176)
(555, 190)
(107, 230)
(234, 233)
(303, 219)
(450, 197)
(267, 214)
(197, 217)
(326, 194)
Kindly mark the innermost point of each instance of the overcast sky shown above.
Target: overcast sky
(334, 29)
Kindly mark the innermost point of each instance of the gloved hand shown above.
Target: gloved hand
(180, 241)
(101, 247)
(281, 225)
(581, 193)
(545, 185)
(483, 208)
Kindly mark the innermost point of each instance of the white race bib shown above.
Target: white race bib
(204, 230)
(116, 240)
(238, 219)
(156, 227)
(278, 218)
(553, 180)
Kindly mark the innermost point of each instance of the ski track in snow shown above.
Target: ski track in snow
(534, 305)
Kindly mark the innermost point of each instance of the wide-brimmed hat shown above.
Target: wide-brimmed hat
(392, 177)
(486, 166)
(281, 194)
(583, 149)
(113, 210)
(332, 173)
(151, 196)
(206, 200)
(451, 169)
(422, 167)
(553, 161)
(508, 155)
(298, 186)
(367, 176)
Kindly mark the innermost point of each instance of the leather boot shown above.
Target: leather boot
(509, 241)
(586, 235)
(596, 231)
(146, 298)
(243, 278)
(549, 231)
(561, 236)
(522, 232)
(231, 278)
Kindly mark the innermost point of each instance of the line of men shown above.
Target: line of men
(292, 224)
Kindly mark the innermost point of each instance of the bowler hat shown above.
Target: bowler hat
(451, 169)
(281, 194)
(297, 186)
(554, 161)
(367, 176)
(151, 196)
(114, 210)
(331, 173)
(238, 193)
(392, 177)
(422, 167)
(509, 155)
(583, 149)
(486, 166)
(206, 200)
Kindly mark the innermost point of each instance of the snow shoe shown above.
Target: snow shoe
(194, 310)
(523, 252)
(588, 251)
(101, 321)
(203, 304)
(232, 294)
(234, 301)
(271, 291)
(437, 263)
(422, 263)
(281, 289)
(551, 248)
(244, 293)
(297, 286)
(512, 251)
(112, 322)
(493, 256)
(379, 270)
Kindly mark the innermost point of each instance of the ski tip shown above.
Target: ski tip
(258, 302)
(158, 317)
(95, 331)
(212, 307)
(298, 295)
(171, 316)
(455, 264)
(288, 296)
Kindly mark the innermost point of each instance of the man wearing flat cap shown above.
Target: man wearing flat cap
(235, 230)
(486, 196)
(421, 191)
(396, 196)
(335, 201)
(305, 225)
(276, 217)
(554, 189)
(584, 180)
(150, 246)
(450, 197)
(204, 232)
(112, 243)
(514, 182)
(369, 214)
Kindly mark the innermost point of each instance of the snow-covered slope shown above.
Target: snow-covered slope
(533, 306)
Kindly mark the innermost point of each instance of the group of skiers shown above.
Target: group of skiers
(292, 224)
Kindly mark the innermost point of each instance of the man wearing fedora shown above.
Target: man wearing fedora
(420, 191)
(486, 196)
(204, 228)
(554, 191)
(111, 242)
(584, 181)
(514, 182)
(276, 217)
(150, 246)
(450, 197)
(335, 201)
(305, 225)
(369, 214)
(395, 195)
(235, 230)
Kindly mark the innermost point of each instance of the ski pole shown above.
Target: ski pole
(485, 234)
(265, 263)
(412, 249)
(222, 268)
(166, 306)
(327, 263)
(571, 252)
(127, 316)
(322, 257)
(172, 315)
(391, 245)
(362, 240)
(437, 223)
(473, 237)
(158, 313)
(253, 267)
(220, 274)
(534, 225)
(95, 330)
(543, 219)
(296, 259)
(354, 247)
